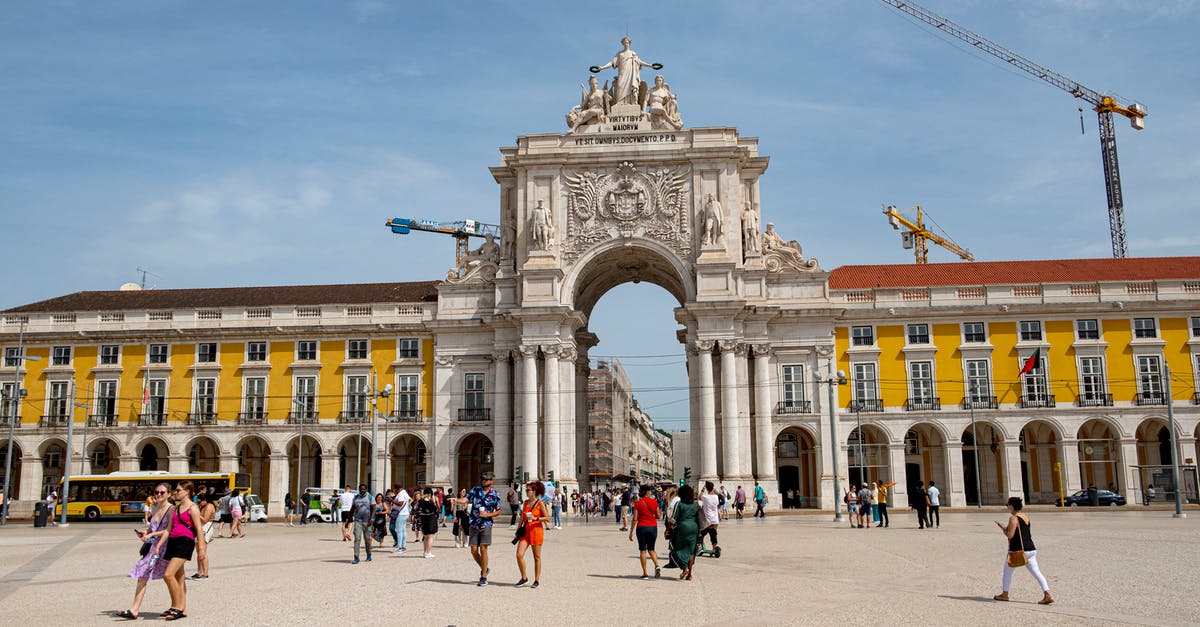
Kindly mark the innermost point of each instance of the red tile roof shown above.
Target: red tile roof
(363, 293)
(1014, 272)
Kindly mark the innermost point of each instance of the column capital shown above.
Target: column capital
(701, 346)
(729, 346)
(761, 349)
(526, 351)
(551, 350)
(502, 355)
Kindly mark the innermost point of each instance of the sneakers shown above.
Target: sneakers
(657, 572)
(522, 582)
(402, 549)
(428, 555)
(535, 584)
(355, 561)
(482, 582)
(645, 577)
(368, 558)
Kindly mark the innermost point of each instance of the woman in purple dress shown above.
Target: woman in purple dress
(151, 566)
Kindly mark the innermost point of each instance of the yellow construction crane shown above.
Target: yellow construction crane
(915, 235)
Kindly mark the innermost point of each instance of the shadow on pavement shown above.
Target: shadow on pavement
(616, 576)
(979, 599)
(457, 581)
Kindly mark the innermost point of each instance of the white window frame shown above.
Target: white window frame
(154, 400)
(908, 334)
(1149, 384)
(984, 331)
(100, 356)
(310, 407)
(479, 393)
(198, 401)
(1035, 379)
(150, 354)
(1079, 330)
(854, 339)
(216, 353)
(416, 346)
(1087, 389)
(316, 350)
(870, 386)
(366, 348)
(1021, 331)
(266, 352)
(791, 386)
(1154, 328)
(12, 356)
(1194, 326)
(116, 397)
(55, 355)
(58, 405)
(912, 380)
(256, 412)
(407, 401)
(974, 392)
(354, 396)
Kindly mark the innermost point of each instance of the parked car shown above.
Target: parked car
(258, 509)
(1105, 497)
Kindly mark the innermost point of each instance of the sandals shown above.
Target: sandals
(173, 614)
(126, 614)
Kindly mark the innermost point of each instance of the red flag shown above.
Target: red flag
(1032, 362)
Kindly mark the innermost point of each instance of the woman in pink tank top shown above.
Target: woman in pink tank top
(182, 541)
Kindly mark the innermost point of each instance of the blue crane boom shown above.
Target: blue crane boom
(460, 230)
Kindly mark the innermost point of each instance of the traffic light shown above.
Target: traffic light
(550, 475)
(681, 484)
(517, 475)
(687, 474)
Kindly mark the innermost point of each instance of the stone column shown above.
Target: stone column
(898, 493)
(502, 419)
(1012, 470)
(729, 410)
(128, 463)
(1126, 473)
(529, 412)
(437, 455)
(708, 412)
(329, 469)
(226, 463)
(30, 488)
(745, 439)
(277, 484)
(763, 429)
(567, 435)
(552, 403)
(581, 412)
(952, 492)
(1068, 456)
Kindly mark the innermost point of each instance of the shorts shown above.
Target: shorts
(288, 511)
(227, 518)
(179, 547)
(740, 506)
(347, 519)
(646, 537)
(480, 536)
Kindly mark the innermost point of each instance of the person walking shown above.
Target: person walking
(709, 504)
(484, 505)
(236, 505)
(881, 499)
(379, 518)
(182, 542)
(739, 502)
(154, 542)
(514, 504)
(623, 514)
(725, 498)
(920, 502)
(401, 504)
(289, 510)
(362, 510)
(760, 501)
(534, 513)
(851, 500)
(645, 525)
(305, 499)
(223, 516)
(427, 514)
(208, 513)
(935, 506)
(335, 507)
(346, 501)
(462, 527)
(685, 529)
(1020, 540)
(556, 511)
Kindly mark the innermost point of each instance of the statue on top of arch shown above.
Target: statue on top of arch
(628, 95)
(779, 255)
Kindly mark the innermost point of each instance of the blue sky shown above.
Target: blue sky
(253, 143)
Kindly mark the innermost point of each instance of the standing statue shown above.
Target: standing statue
(628, 88)
(541, 227)
(750, 239)
(710, 232)
(593, 106)
(664, 110)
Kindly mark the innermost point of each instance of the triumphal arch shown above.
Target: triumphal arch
(628, 193)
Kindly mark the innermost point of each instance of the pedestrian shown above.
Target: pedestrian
(626, 502)
(379, 518)
(237, 506)
(534, 514)
(514, 504)
(401, 502)
(556, 511)
(346, 501)
(875, 504)
(147, 506)
(935, 506)
(919, 500)
(864, 507)
(881, 500)
(645, 524)
(182, 542)
(427, 514)
(289, 507)
(739, 502)
(724, 501)
(760, 501)
(223, 516)
(685, 529)
(208, 513)
(1020, 542)
(3, 505)
(461, 519)
(361, 515)
(154, 543)
(335, 507)
(305, 501)
(51, 500)
(484, 505)
(709, 507)
(851, 500)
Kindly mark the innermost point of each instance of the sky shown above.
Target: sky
(230, 143)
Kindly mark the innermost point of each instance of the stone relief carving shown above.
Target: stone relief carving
(710, 222)
(702, 346)
(541, 227)
(627, 202)
(733, 346)
(479, 265)
(781, 256)
(567, 353)
(445, 360)
(761, 350)
(751, 240)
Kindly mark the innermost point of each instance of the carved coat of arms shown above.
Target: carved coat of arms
(627, 202)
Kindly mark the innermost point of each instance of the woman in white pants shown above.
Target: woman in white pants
(1021, 539)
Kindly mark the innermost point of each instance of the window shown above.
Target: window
(1144, 328)
(206, 353)
(7, 392)
(474, 391)
(1194, 323)
(60, 356)
(1087, 329)
(256, 351)
(255, 405)
(1031, 331)
(918, 334)
(1091, 379)
(59, 401)
(158, 353)
(110, 355)
(305, 402)
(206, 396)
(920, 380)
(862, 336)
(793, 388)
(356, 349)
(1150, 385)
(306, 350)
(974, 332)
(409, 348)
(106, 399)
(1033, 383)
(357, 398)
(912, 443)
(865, 389)
(156, 398)
(407, 396)
(979, 381)
(12, 357)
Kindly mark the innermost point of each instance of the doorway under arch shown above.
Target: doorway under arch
(1099, 450)
(1039, 455)
(354, 460)
(988, 472)
(304, 466)
(204, 455)
(254, 458)
(103, 456)
(153, 454)
(407, 462)
(475, 456)
(873, 464)
(54, 461)
(14, 484)
(796, 468)
(925, 460)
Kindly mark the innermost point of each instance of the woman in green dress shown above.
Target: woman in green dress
(684, 531)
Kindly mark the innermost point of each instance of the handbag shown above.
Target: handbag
(1016, 559)
(145, 550)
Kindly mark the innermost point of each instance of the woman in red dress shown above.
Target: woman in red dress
(534, 514)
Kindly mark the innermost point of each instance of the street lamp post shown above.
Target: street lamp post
(66, 489)
(1174, 446)
(840, 379)
(386, 393)
(302, 409)
(12, 419)
(862, 468)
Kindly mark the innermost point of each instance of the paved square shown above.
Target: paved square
(1104, 567)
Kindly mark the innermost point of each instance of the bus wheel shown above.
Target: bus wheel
(91, 513)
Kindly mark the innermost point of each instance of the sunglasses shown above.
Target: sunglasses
(161, 492)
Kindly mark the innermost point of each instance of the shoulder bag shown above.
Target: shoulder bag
(1016, 559)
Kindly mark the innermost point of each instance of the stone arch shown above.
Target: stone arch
(14, 483)
(1041, 448)
(618, 261)
(796, 467)
(407, 461)
(354, 459)
(1117, 429)
(475, 454)
(153, 453)
(983, 463)
(873, 464)
(1099, 442)
(203, 454)
(253, 454)
(103, 456)
(1153, 436)
(53, 454)
(305, 464)
(926, 457)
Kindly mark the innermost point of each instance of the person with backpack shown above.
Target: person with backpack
(723, 499)
(223, 515)
(514, 505)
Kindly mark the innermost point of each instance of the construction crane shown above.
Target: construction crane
(915, 235)
(461, 231)
(1105, 107)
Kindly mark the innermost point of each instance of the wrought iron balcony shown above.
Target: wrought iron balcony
(793, 407)
(354, 416)
(1093, 399)
(931, 403)
(979, 402)
(475, 413)
(102, 420)
(866, 404)
(298, 417)
(202, 418)
(252, 418)
(407, 415)
(158, 419)
(1150, 398)
(53, 421)
(1037, 400)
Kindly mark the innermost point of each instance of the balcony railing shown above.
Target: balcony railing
(306, 417)
(102, 420)
(793, 407)
(1037, 400)
(202, 418)
(53, 421)
(932, 403)
(152, 420)
(866, 404)
(252, 418)
(475, 413)
(407, 415)
(979, 402)
(354, 416)
(1150, 398)
(1094, 400)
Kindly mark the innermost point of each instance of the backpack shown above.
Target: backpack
(720, 500)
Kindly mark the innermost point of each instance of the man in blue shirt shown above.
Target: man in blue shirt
(760, 499)
(484, 506)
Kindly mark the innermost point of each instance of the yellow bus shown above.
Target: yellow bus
(122, 494)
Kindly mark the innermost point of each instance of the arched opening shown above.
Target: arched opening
(867, 455)
(983, 464)
(204, 455)
(1098, 451)
(54, 461)
(304, 466)
(474, 458)
(14, 483)
(354, 460)
(153, 455)
(254, 458)
(925, 460)
(103, 456)
(1039, 456)
(1154, 443)
(407, 465)
(796, 468)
